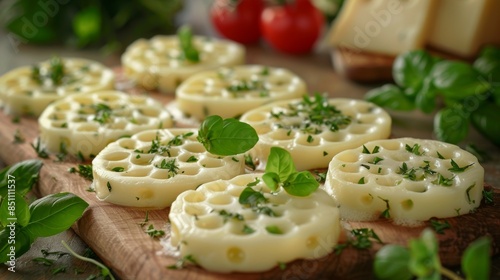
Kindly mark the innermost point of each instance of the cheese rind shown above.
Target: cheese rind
(411, 180)
(157, 63)
(383, 26)
(22, 94)
(295, 126)
(85, 123)
(151, 168)
(230, 92)
(210, 225)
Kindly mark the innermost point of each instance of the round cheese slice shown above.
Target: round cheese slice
(314, 129)
(221, 234)
(29, 90)
(158, 63)
(231, 91)
(83, 124)
(153, 167)
(408, 180)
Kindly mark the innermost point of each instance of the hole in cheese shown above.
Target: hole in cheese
(235, 255)
(222, 199)
(116, 156)
(194, 197)
(209, 222)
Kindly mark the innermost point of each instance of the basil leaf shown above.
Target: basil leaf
(476, 260)
(226, 137)
(251, 197)
(24, 173)
(54, 213)
(186, 42)
(425, 99)
(390, 96)
(451, 125)
(280, 162)
(301, 184)
(410, 68)
(272, 180)
(391, 263)
(485, 120)
(16, 208)
(21, 243)
(424, 257)
(457, 79)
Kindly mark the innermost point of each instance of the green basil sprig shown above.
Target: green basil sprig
(189, 51)
(281, 172)
(422, 81)
(226, 137)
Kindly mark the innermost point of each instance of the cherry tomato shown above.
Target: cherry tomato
(292, 28)
(237, 20)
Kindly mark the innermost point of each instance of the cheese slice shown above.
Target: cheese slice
(211, 226)
(157, 63)
(151, 168)
(408, 180)
(462, 27)
(231, 91)
(30, 89)
(382, 26)
(314, 129)
(83, 124)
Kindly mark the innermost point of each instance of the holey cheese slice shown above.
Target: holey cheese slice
(408, 180)
(158, 63)
(223, 235)
(230, 92)
(314, 129)
(83, 124)
(30, 89)
(153, 167)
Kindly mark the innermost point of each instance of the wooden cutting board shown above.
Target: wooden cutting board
(114, 233)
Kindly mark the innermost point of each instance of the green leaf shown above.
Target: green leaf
(24, 173)
(251, 197)
(476, 260)
(391, 263)
(226, 137)
(21, 243)
(54, 213)
(186, 41)
(301, 184)
(280, 162)
(456, 79)
(451, 125)
(485, 120)
(425, 99)
(410, 68)
(424, 257)
(390, 96)
(272, 180)
(16, 208)
(87, 25)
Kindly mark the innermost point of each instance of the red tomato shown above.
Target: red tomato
(237, 20)
(293, 28)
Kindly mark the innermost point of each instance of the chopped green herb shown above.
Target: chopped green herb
(108, 185)
(84, 170)
(15, 119)
(170, 165)
(118, 169)
(154, 233)
(181, 263)
(415, 149)
(247, 230)
(18, 137)
(44, 261)
(488, 196)
(249, 162)
(80, 156)
(192, 159)
(58, 270)
(376, 160)
(228, 215)
(457, 169)
(102, 113)
(274, 229)
(386, 213)
(360, 239)
(439, 226)
(441, 180)
(189, 51)
(235, 159)
(374, 151)
(440, 156)
(361, 180)
(321, 176)
(41, 152)
(467, 191)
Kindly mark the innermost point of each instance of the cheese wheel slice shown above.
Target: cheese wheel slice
(408, 180)
(314, 129)
(231, 91)
(85, 123)
(157, 63)
(153, 167)
(210, 225)
(30, 89)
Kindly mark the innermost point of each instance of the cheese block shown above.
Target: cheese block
(30, 89)
(158, 63)
(151, 168)
(314, 129)
(83, 124)
(462, 27)
(386, 27)
(231, 91)
(407, 180)
(221, 234)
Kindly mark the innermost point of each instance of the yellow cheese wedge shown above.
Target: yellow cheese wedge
(383, 26)
(153, 167)
(408, 180)
(221, 234)
(30, 89)
(462, 27)
(157, 63)
(83, 124)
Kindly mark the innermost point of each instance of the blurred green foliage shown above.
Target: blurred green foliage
(112, 24)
